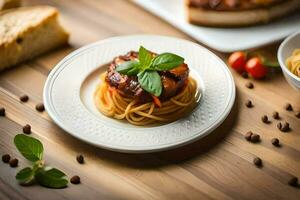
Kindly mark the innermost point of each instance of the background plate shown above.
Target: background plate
(222, 39)
(69, 88)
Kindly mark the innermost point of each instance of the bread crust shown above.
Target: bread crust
(7, 4)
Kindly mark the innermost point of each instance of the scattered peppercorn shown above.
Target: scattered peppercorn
(249, 104)
(249, 85)
(297, 114)
(75, 180)
(293, 181)
(245, 75)
(14, 162)
(285, 127)
(275, 142)
(40, 107)
(279, 125)
(276, 115)
(257, 161)
(6, 158)
(288, 107)
(27, 129)
(265, 119)
(80, 159)
(255, 138)
(24, 98)
(2, 111)
(248, 135)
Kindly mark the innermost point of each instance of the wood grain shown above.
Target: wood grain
(216, 167)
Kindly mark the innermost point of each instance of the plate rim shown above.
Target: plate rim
(148, 149)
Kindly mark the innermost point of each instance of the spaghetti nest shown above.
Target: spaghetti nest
(293, 62)
(112, 104)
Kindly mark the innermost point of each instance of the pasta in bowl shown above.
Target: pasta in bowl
(289, 59)
(293, 62)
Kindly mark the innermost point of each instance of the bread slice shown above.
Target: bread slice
(6, 4)
(235, 17)
(28, 32)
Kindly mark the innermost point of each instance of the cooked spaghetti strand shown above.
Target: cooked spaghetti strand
(293, 62)
(112, 104)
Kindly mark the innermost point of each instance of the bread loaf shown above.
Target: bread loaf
(28, 32)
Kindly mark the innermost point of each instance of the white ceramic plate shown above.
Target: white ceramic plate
(68, 96)
(222, 39)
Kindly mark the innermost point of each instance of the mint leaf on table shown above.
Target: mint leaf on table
(151, 82)
(25, 176)
(52, 178)
(166, 61)
(31, 148)
(145, 57)
(128, 68)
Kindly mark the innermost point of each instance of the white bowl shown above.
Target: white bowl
(285, 50)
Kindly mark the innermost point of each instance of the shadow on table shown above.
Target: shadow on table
(181, 154)
(160, 159)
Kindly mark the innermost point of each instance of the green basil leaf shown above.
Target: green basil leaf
(166, 61)
(52, 178)
(151, 82)
(31, 148)
(145, 57)
(128, 68)
(25, 175)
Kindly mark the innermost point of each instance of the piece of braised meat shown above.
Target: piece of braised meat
(173, 80)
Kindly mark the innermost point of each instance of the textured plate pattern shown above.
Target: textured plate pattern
(65, 106)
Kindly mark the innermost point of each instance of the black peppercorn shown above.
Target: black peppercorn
(14, 162)
(276, 115)
(80, 159)
(288, 107)
(6, 158)
(75, 180)
(40, 107)
(2, 111)
(27, 129)
(249, 104)
(257, 161)
(24, 98)
(275, 142)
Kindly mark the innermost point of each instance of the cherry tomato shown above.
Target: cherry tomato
(237, 61)
(256, 68)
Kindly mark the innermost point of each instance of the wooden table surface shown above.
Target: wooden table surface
(216, 167)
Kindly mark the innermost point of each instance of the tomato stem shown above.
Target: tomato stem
(269, 63)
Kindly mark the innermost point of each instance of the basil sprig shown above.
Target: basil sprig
(32, 149)
(146, 68)
(151, 82)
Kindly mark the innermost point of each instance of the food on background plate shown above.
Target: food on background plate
(293, 62)
(233, 13)
(28, 32)
(6, 4)
(145, 88)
